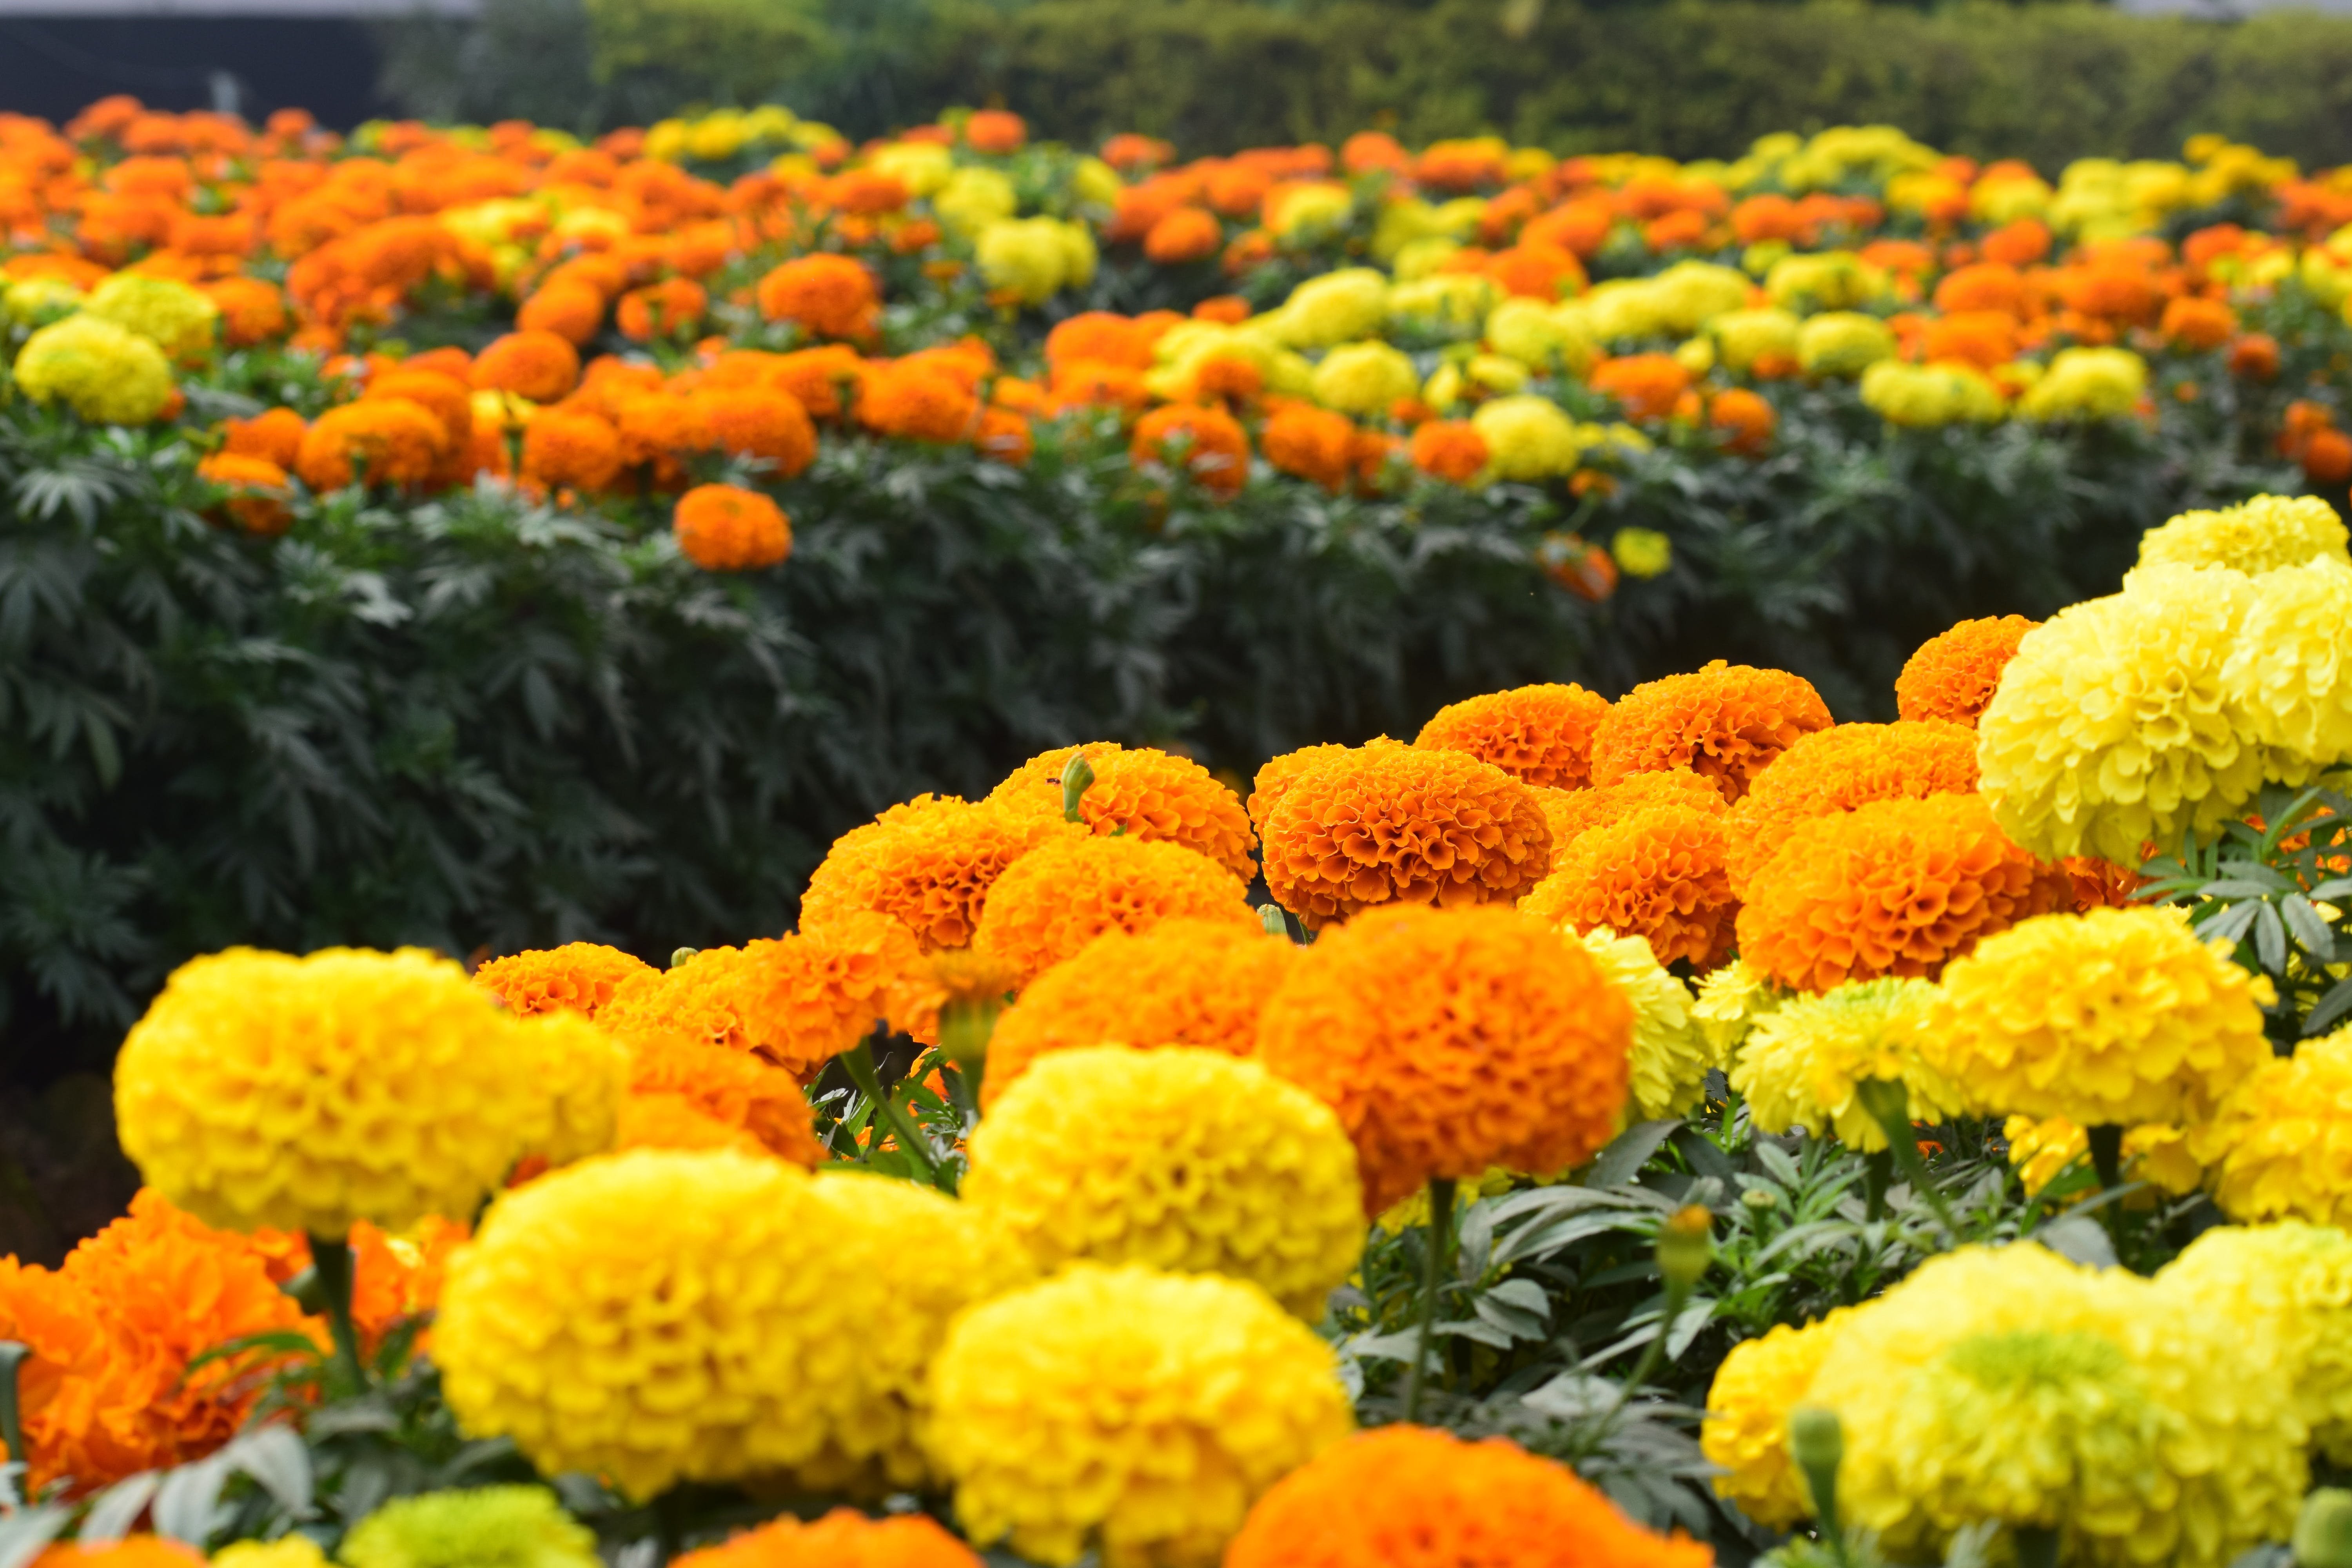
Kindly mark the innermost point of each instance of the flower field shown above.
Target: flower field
(1876, 1090)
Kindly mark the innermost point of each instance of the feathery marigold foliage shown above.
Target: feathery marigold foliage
(2109, 1018)
(2295, 1280)
(928, 863)
(578, 977)
(1059, 1406)
(2280, 1145)
(307, 1094)
(1411, 1497)
(1801, 1063)
(1747, 1425)
(1896, 887)
(796, 1000)
(1181, 983)
(1185, 1159)
(1726, 721)
(842, 1539)
(1453, 1041)
(1655, 873)
(1671, 1056)
(1953, 675)
(482, 1527)
(1538, 734)
(1396, 825)
(1143, 793)
(2259, 535)
(1838, 769)
(1056, 898)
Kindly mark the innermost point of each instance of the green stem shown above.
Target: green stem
(2106, 1141)
(1678, 1295)
(2037, 1546)
(1889, 1104)
(858, 1062)
(1877, 1175)
(12, 1353)
(332, 1265)
(1441, 1227)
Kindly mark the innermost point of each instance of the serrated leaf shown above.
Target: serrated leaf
(27, 1531)
(117, 1508)
(2270, 938)
(1631, 1150)
(2332, 1006)
(187, 1505)
(2309, 929)
(276, 1458)
(2231, 925)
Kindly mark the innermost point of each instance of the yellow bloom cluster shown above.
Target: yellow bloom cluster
(1746, 1428)
(1671, 1054)
(2292, 1281)
(2259, 535)
(2281, 1144)
(105, 373)
(1802, 1064)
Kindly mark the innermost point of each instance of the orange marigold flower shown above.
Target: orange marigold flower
(1655, 873)
(842, 1539)
(1413, 1495)
(1897, 887)
(1313, 443)
(1186, 235)
(1057, 897)
(1141, 791)
(1395, 824)
(391, 440)
(1182, 983)
(765, 423)
(1451, 1041)
(1230, 310)
(443, 396)
(252, 310)
(130, 1552)
(1839, 768)
(797, 1001)
(1645, 385)
(1280, 773)
(928, 863)
(2020, 243)
(1215, 450)
(995, 130)
(2101, 884)
(920, 401)
(537, 366)
(570, 310)
(1728, 722)
(1102, 336)
(1449, 449)
(256, 490)
(724, 528)
(671, 308)
(1982, 285)
(815, 376)
(1745, 418)
(1538, 734)
(2192, 324)
(1005, 436)
(1953, 674)
(1569, 813)
(2254, 357)
(1226, 378)
(739, 1092)
(832, 296)
(577, 977)
(275, 433)
(570, 448)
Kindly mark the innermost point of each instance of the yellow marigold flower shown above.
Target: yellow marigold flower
(2111, 727)
(1453, 1041)
(2281, 1144)
(2295, 1279)
(106, 373)
(1339, 306)
(1528, 437)
(796, 1000)
(1141, 792)
(1055, 900)
(1838, 769)
(1928, 396)
(928, 863)
(1182, 983)
(1364, 379)
(2089, 384)
(1394, 824)
(1747, 1428)
(842, 1539)
(582, 1074)
(1731, 1002)
(1842, 342)
(578, 977)
(175, 317)
(1643, 552)
(1802, 1062)
(1538, 734)
(2259, 535)
(1744, 337)
(286, 1551)
(1953, 674)
(480, 1527)
(2112, 1017)
(2041, 1151)
(307, 1094)
(1185, 1159)
(2290, 675)
(1060, 1405)
(1670, 1057)
(1034, 258)
(1727, 722)
(1654, 873)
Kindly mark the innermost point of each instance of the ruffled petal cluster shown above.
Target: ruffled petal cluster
(685, 1093)
(1839, 768)
(1183, 1159)
(1538, 734)
(1897, 887)
(1397, 825)
(928, 863)
(797, 1000)
(2113, 1017)
(1954, 674)
(1732, 1000)
(1655, 873)
(1274, 779)
(1453, 1041)
(1055, 899)
(2296, 1282)
(1571, 812)
(1141, 792)
(1671, 1056)
(1747, 1426)
(2039, 1151)
(1137, 1412)
(842, 1539)
(2280, 1146)
(578, 977)
(1727, 722)
(2290, 676)
(2259, 535)
(1801, 1065)
(482, 1527)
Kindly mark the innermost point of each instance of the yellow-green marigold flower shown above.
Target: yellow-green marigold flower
(1642, 552)
(1447, 299)
(179, 319)
(479, 1527)
(2259, 535)
(1364, 379)
(1842, 342)
(1136, 1411)
(973, 200)
(923, 167)
(1732, 1000)
(1927, 396)
(2110, 1018)
(1540, 337)
(1689, 294)
(2290, 676)
(307, 1094)
(1621, 308)
(286, 1551)
(1747, 1428)
(1337, 308)
(2112, 728)
(2296, 1280)
(1037, 258)
(108, 374)
(1308, 212)
(1670, 1056)
(1744, 337)
(1824, 280)
(1528, 437)
(2086, 384)
(2281, 1145)
(1187, 1160)
(33, 301)
(1096, 182)
(1801, 1063)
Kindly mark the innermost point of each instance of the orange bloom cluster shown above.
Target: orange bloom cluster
(1953, 675)
(1205, 442)
(578, 977)
(796, 1000)
(1728, 722)
(842, 1539)
(1538, 734)
(1840, 768)
(689, 1094)
(725, 527)
(1573, 813)
(1056, 898)
(1143, 792)
(928, 863)
(1657, 873)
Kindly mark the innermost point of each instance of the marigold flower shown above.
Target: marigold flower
(1451, 1041)
(539, 366)
(1364, 379)
(928, 863)
(1183, 235)
(1671, 1056)
(796, 999)
(2290, 675)
(1528, 438)
(1273, 780)
(1182, 983)
(842, 1539)
(1839, 768)
(1312, 443)
(252, 310)
(1059, 1405)
(1394, 824)
(2192, 324)
(1570, 812)
(1728, 722)
(2259, 535)
(2281, 1144)
(725, 527)
(1449, 449)
(1656, 873)
(1744, 418)
(578, 977)
(1953, 675)
(1645, 385)
(1413, 1495)
(273, 434)
(104, 372)
(1215, 449)
(917, 400)
(832, 296)
(296, 1550)
(1141, 792)
(737, 1091)
(132, 1552)
(2296, 1282)
(256, 491)
(2112, 1017)
(1538, 734)
(1059, 897)
(1747, 1426)
(1801, 1063)
(565, 307)
(389, 440)
(1183, 1159)
(443, 396)
(765, 423)
(178, 319)
(484, 1527)
(671, 308)
(307, 1094)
